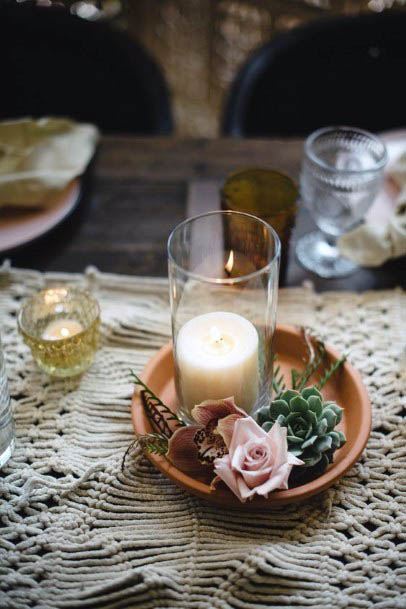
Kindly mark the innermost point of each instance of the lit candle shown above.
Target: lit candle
(237, 264)
(217, 357)
(59, 329)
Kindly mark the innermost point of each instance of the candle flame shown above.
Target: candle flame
(54, 295)
(215, 334)
(230, 263)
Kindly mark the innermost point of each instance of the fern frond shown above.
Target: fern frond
(330, 371)
(158, 413)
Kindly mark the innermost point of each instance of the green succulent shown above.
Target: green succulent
(310, 423)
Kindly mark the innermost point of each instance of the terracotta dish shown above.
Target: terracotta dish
(346, 388)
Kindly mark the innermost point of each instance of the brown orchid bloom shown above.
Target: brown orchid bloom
(195, 447)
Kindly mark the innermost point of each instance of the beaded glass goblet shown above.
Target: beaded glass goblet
(341, 175)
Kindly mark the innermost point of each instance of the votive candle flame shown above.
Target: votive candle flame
(60, 329)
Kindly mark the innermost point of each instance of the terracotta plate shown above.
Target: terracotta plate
(346, 388)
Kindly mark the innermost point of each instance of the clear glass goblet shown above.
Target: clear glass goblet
(342, 172)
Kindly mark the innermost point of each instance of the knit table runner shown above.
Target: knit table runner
(77, 532)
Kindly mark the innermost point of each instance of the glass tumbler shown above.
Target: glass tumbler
(268, 194)
(342, 172)
(223, 275)
(7, 437)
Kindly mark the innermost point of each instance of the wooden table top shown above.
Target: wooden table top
(138, 189)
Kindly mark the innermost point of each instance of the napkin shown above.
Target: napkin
(373, 243)
(39, 157)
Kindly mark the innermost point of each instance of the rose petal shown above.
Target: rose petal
(237, 458)
(253, 459)
(253, 479)
(292, 460)
(277, 481)
(243, 489)
(246, 429)
(222, 468)
(225, 427)
(215, 409)
(182, 451)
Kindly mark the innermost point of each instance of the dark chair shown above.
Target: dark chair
(347, 70)
(57, 64)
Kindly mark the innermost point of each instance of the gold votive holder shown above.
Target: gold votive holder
(61, 327)
(267, 194)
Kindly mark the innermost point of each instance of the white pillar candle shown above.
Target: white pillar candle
(217, 357)
(59, 329)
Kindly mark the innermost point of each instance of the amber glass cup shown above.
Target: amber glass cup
(269, 195)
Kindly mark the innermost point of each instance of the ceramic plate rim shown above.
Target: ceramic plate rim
(68, 200)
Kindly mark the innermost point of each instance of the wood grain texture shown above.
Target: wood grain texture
(161, 159)
(136, 192)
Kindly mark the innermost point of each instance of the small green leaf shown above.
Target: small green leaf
(309, 442)
(263, 415)
(311, 418)
(311, 391)
(295, 376)
(328, 373)
(335, 439)
(343, 439)
(315, 405)
(338, 411)
(323, 443)
(281, 420)
(278, 383)
(279, 407)
(267, 426)
(294, 440)
(288, 395)
(312, 458)
(309, 432)
(301, 433)
(330, 417)
(295, 450)
(322, 427)
(295, 417)
(299, 404)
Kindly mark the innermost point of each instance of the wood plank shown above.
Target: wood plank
(163, 159)
(122, 228)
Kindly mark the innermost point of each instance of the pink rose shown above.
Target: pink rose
(257, 462)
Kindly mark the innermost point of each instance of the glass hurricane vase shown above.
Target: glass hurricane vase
(223, 273)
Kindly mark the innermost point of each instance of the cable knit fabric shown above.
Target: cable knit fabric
(76, 532)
